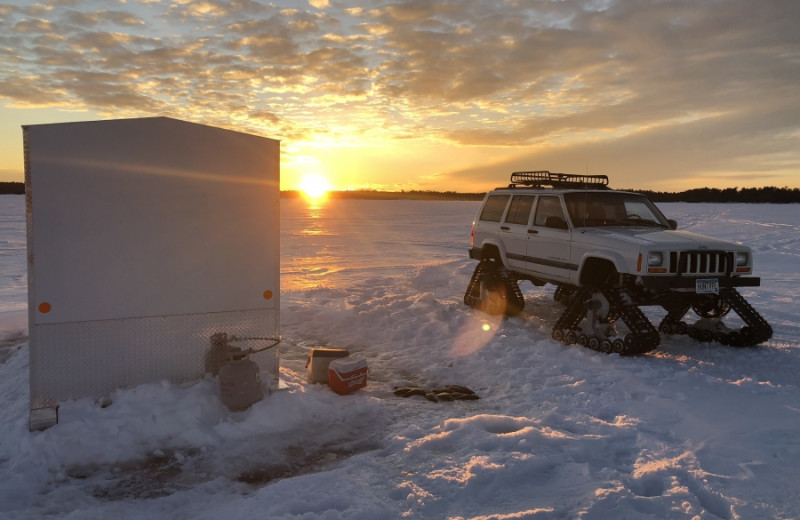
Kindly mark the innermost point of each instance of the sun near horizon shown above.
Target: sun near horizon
(315, 186)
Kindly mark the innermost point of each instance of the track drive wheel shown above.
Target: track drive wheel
(494, 290)
(712, 308)
(493, 296)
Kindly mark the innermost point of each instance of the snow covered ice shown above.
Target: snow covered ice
(689, 431)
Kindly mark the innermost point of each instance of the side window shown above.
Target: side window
(520, 210)
(549, 213)
(494, 207)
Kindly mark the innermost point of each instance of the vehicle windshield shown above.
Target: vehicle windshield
(597, 209)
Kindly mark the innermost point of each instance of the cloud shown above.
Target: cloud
(186, 11)
(104, 17)
(32, 26)
(572, 78)
(746, 149)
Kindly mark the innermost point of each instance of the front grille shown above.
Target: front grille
(694, 263)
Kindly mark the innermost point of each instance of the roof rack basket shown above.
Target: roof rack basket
(538, 179)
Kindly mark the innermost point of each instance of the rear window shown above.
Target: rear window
(494, 208)
(548, 207)
(520, 210)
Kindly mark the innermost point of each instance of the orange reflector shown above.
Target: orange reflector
(658, 270)
(639, 263)
(267, 294)
(45, 307)
(742, 269)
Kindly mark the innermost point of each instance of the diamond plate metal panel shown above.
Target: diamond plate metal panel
(91, 359)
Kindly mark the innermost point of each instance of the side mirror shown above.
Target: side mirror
(673, 224)
(555, 222)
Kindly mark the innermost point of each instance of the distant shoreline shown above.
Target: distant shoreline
(12, 188)
(392, 195)
(766, 195)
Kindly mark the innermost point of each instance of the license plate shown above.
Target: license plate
(707, 286)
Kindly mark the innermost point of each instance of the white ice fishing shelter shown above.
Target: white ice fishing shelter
(145, 238)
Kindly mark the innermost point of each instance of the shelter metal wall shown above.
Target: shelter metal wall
(145, 237)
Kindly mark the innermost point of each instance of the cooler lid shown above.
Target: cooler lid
(347, 364)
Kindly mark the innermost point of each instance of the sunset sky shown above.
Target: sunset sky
(434, 95)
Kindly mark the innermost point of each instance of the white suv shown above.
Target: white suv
(608, 252)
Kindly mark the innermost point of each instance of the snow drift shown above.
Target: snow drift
(689, 431)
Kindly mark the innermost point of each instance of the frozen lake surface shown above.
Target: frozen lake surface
(689, 431)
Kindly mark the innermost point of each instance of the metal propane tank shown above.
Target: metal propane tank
(239, 382)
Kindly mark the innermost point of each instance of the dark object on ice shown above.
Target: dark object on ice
(318, 363)
(446, 393)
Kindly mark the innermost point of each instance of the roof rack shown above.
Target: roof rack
(538, 179)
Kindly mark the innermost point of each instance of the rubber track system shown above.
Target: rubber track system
(515, 301)
(643, 336)
(472, 297)
(756, 329)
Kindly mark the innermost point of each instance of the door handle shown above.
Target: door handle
(504, 228)
(532, 232)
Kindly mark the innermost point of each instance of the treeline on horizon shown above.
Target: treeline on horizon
(12, 188)
(392, 195)
(769, 194)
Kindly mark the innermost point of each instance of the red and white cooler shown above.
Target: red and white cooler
(346, 375)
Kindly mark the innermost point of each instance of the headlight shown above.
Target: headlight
(655, 259)
(741, 259)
